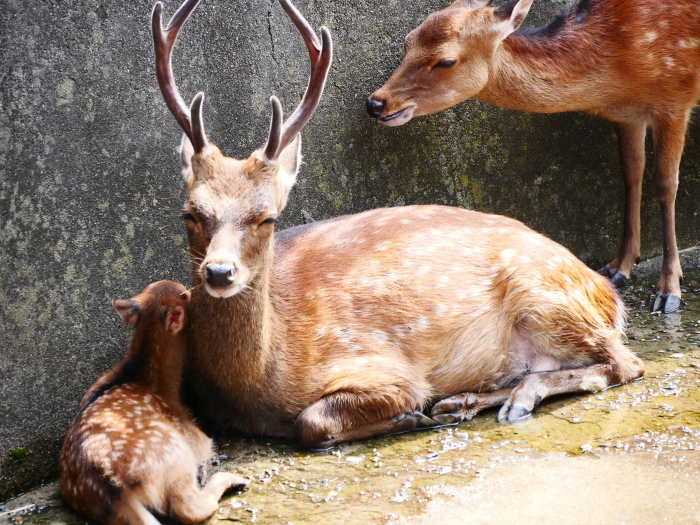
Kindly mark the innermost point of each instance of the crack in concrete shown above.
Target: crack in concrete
(273, 51)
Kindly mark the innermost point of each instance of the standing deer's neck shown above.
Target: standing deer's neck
(542, 73)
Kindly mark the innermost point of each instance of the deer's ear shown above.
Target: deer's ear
(128, 310)
(289, 161)
(175, 319)
(186, 152)
(510, 15)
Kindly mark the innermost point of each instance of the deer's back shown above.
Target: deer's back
(414, 291)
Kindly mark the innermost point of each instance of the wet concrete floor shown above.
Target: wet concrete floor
(629, 455)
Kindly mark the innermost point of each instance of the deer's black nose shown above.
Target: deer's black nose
(375, 107)
(219, 275)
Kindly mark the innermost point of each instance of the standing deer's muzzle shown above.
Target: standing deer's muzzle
(375, 107)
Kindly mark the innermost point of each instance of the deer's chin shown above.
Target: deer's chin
(224, 293)
(398, 118)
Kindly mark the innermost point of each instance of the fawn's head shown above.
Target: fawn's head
(232, 205)
(161, 304)
(446, 59)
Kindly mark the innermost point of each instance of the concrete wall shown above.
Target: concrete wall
(90, 187)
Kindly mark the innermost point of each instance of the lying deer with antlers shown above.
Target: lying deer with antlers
(346, 328)
(634, 63)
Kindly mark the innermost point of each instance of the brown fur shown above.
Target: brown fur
(133, 448)
(634, 62)
(347, 328)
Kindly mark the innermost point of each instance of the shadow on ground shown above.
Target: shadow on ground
(630, 454)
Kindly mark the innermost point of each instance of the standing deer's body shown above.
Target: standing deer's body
(133, 449)
(346, 328)
(636, 63)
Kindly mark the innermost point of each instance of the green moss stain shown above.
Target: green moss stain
(19, 454)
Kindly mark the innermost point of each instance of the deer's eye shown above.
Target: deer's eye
(269, 220)
(444, 64)
(187, 216)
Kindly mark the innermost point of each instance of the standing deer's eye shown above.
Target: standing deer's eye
(187, 216)
(444, 64)
(269, 220)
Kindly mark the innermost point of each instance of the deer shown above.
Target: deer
(133, 449)
(352, 327)
(636, 64)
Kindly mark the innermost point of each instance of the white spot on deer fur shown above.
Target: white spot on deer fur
(443, 280)
(405, 221)
(440, 310)
(382, 246)
(649, 37)
(668, 61)
(380, 336)
(507, 254)
(321, 330)
(593, 383)
(690, 43)
(422, 270)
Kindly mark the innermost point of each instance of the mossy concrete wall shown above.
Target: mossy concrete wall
(90, 186)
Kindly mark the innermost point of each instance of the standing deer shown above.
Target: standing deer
(636, 63)
(346, 328)
(133, 449)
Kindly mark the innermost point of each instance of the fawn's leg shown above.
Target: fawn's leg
(191, 505)
(129, 511)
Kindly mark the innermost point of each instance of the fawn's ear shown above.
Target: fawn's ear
(128, 310)
(174, 319)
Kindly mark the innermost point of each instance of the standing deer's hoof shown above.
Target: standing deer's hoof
(666, 303)
(455, 409)
(509, 414)
(619, 280)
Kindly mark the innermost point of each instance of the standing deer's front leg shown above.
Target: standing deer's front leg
(669, 139)
(630, 137)
(348, 416)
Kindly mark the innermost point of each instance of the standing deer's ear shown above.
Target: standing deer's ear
(174, 319)
(128, 310)
(510, 16)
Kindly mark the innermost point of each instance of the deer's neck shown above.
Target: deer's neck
(155, 361)
(545, 74)
(230, 349)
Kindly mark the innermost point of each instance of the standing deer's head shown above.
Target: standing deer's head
(232, 205)
(446, 60)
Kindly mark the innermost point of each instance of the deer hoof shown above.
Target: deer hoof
(510, 414)
(619, 280)
(454, 409)
(447, 419)
(666, 303)
(605, 271)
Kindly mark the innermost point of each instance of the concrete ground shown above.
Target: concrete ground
(628, 455)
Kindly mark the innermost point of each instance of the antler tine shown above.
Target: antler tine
(273, 141)
(163, 42)
(307, 32)
(321, 55)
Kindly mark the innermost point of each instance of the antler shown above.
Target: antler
(321, 55)
(163, 41)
